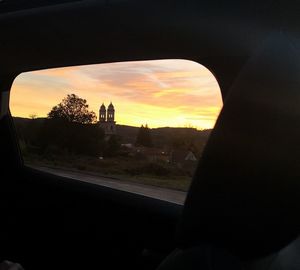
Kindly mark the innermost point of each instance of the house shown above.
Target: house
(153, 154)
(181, 157)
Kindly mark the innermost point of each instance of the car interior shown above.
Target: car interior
(242, 209)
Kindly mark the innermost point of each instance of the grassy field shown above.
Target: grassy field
(157, 173)
(54, 144)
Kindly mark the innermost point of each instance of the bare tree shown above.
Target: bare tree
(33, 116)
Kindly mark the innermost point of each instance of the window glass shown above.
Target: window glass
(141, 125)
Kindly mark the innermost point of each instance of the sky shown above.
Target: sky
(160, 93)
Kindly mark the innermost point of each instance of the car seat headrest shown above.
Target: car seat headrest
(245, 192)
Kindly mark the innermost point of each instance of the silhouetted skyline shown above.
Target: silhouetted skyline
(160, 93)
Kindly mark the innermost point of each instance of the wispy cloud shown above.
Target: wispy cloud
(161, 93)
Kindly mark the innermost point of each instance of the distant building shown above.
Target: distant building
(182, 156)
(127, 145)
(153, 154)
(107, 119)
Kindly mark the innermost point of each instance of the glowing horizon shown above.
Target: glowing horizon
(160, 93)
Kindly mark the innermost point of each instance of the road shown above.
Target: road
(164, 194)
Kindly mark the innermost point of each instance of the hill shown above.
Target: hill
(169, 137)
(163, 137)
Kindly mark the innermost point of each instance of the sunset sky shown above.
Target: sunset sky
(160, 93)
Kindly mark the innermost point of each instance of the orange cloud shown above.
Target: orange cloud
(160, 93)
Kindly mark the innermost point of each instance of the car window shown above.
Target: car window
(139, 125)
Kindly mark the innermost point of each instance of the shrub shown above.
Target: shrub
(149, 168)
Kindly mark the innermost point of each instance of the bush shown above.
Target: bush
(149, 168)
(80, 167)
(51, 151)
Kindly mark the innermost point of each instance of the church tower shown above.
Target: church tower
(107, 119)
(102, 113)
(110, 113)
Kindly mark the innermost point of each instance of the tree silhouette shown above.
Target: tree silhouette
(112, 146)
(144, 137)
(73, 109)
(75, 138)
(32, 116)
(70, 127)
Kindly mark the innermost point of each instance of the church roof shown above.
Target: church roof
(111, 106)
(102, 107)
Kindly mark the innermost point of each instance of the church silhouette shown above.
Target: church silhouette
(107, 119)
